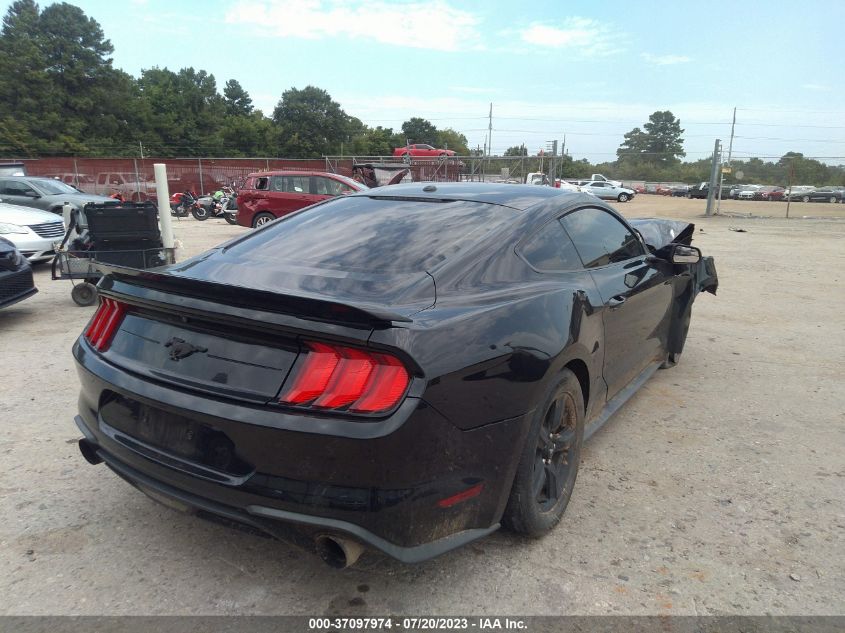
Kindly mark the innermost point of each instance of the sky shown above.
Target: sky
(586, 71)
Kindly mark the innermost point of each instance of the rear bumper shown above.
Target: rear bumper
(382, 491)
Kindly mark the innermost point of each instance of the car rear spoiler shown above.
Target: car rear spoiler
(302, 305)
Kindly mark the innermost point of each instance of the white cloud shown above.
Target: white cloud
(665, 60)
(816, 87)
(584, 36)
(432, 25)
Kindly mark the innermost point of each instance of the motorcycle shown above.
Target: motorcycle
(222, 204)
(182, 203)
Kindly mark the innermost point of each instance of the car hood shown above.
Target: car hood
(401, 293)
(79, 198)
(659, 233)
(25, 215)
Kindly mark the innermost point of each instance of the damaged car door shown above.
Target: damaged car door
(634, 287)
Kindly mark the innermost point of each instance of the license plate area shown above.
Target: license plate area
(172, 439)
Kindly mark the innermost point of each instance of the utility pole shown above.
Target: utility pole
(714, 177)
(730, 151)
(490, 131)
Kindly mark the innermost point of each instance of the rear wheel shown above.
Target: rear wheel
(549, 462)
(832, 199)
(623, 197)
(261, 219)
(231, 217)
(199, 212)
(805, 199)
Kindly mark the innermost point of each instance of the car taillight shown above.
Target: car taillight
(105, 323)
(339, 377)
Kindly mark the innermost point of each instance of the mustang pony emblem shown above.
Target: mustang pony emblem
(182, 349)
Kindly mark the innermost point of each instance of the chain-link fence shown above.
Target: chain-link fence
(133, 177)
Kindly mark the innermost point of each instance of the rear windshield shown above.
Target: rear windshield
(374, 235)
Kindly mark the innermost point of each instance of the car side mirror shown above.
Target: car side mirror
(31, 194)
(683, 254)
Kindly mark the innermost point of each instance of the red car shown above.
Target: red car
(268, 195)
(421, 150)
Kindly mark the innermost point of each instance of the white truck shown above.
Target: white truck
(594, 178)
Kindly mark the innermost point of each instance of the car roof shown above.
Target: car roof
(518, 197)
(291, 172)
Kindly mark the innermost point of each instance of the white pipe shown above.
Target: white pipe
(163, 194)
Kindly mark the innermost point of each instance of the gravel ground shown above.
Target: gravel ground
(718, 489)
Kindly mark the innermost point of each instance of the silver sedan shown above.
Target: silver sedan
(32, 231)
(607, 191)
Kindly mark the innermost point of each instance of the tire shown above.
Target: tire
(84, 294)
(623, 197)
(541, 489)
(832, 199)
(805, 199)
(261, 219)
(231, 218)
(199, 212)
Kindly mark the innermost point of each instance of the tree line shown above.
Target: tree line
(60, 95)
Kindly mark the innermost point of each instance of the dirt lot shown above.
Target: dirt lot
(717, 489)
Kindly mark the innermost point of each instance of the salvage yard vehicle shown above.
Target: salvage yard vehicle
(422, 150)
(32, 231)
(266, 196)
(48, 194)
(16, 282)
(608, 191)
(824, 194)
(402, 369)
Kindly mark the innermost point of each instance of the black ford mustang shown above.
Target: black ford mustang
(403, 369)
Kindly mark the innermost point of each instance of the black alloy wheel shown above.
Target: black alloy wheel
(553, 469)
(548, 466)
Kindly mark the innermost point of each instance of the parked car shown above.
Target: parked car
(420, 149)
(43, 193)
(266, 196)
(83, 182)
(32, 231)
(130, 186)
(348, 401)
(16, 282)
(701, 189)
(798, 192)
(823, 194)
(679, 191)
(12, 169)
(769, 193)
(747, 192)
(607, 191)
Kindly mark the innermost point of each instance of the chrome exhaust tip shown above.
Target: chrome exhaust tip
(338, 552)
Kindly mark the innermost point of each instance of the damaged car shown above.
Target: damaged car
(404, 370)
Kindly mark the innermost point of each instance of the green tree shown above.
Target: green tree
(309, 123)
(418, 130)
(517, 150)
(659, 142)
(238, 101)
(452, 139)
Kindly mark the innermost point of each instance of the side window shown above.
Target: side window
(328, 187)
(600, 238)
(550, 249)
(263, 183)
(15, 188)
(2, 187)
